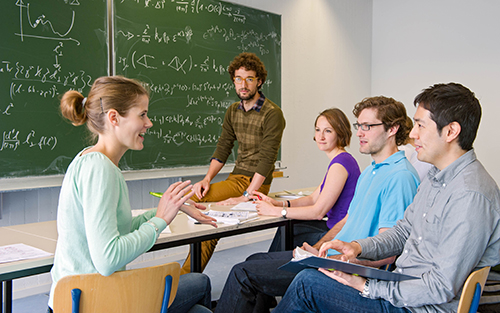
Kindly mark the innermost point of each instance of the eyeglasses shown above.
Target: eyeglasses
(249, 80)
(365, 127)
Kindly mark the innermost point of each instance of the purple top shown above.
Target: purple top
(339, 209)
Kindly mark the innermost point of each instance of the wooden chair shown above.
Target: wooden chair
(471, 293)
(150, 289)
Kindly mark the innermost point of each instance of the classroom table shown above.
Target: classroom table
(40, 235)
(43, 235)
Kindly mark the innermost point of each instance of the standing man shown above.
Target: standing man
(257, 124)
(384, 190)
(451, 229)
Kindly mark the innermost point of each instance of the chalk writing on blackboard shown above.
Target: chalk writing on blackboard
(41, 20)
(47, 47)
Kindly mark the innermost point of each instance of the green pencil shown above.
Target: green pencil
(156, 194)
(159, 194)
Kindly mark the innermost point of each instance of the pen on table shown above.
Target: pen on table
(159, 194)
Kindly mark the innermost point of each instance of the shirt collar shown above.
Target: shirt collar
(258, 104)
(442, 178)
(394, 158)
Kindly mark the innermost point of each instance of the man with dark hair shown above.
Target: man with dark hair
(383, 191)
(257, 124)
(451, 229)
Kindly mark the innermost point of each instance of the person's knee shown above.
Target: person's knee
(198, 280)
(204, 280)
(257, 256)
(306, 277)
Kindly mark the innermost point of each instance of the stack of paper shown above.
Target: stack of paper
(232, 218)
(20, 251)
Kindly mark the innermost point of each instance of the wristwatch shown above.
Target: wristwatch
(246, 194)
(284, 210)
(366, 289)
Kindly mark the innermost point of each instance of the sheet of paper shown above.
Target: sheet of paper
(142, 211)
(245, 206)
(20, 251)
(232, 218)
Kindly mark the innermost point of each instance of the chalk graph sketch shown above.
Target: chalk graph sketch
(47, 47)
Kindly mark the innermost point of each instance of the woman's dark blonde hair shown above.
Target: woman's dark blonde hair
(340, 124)
(108, 92)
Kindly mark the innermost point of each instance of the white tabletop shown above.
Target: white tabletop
(43, 235)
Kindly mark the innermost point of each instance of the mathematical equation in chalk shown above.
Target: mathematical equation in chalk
(194, 7)
(14, 139)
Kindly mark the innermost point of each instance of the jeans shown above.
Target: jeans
(194, 288)
(193, 295)
(305, 231)
(252, 285)
(313, 291)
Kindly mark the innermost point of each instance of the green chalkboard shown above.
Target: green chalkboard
(182, 49)
(47, 47)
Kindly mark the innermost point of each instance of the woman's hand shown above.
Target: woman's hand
(172, 200)
(266, 208)
(193, 210)
(260, 196)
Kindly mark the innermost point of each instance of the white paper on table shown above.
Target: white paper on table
(232, 218)
(245, 206)
(20, 251)
(142, 211)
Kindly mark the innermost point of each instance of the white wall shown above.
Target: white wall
(419, 43)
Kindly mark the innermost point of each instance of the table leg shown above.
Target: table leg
(1, 296)
(196, 257)
(289, 236)
(7, 297)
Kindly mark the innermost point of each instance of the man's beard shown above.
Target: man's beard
(248, 96)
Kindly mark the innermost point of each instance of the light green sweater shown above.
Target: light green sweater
(97, 233)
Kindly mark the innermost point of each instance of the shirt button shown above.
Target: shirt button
(444, 185)
(406, 251)
(420, 238)
(400, 270)
(373, 172)
(424, 214)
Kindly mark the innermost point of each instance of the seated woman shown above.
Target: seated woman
(97, 233)
(332, 197)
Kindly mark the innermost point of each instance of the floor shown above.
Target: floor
(217, 270)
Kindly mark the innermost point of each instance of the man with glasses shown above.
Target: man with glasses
(451, 229)
(257, 124)
(384, 190)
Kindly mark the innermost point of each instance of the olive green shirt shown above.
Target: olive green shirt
(258, 133)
